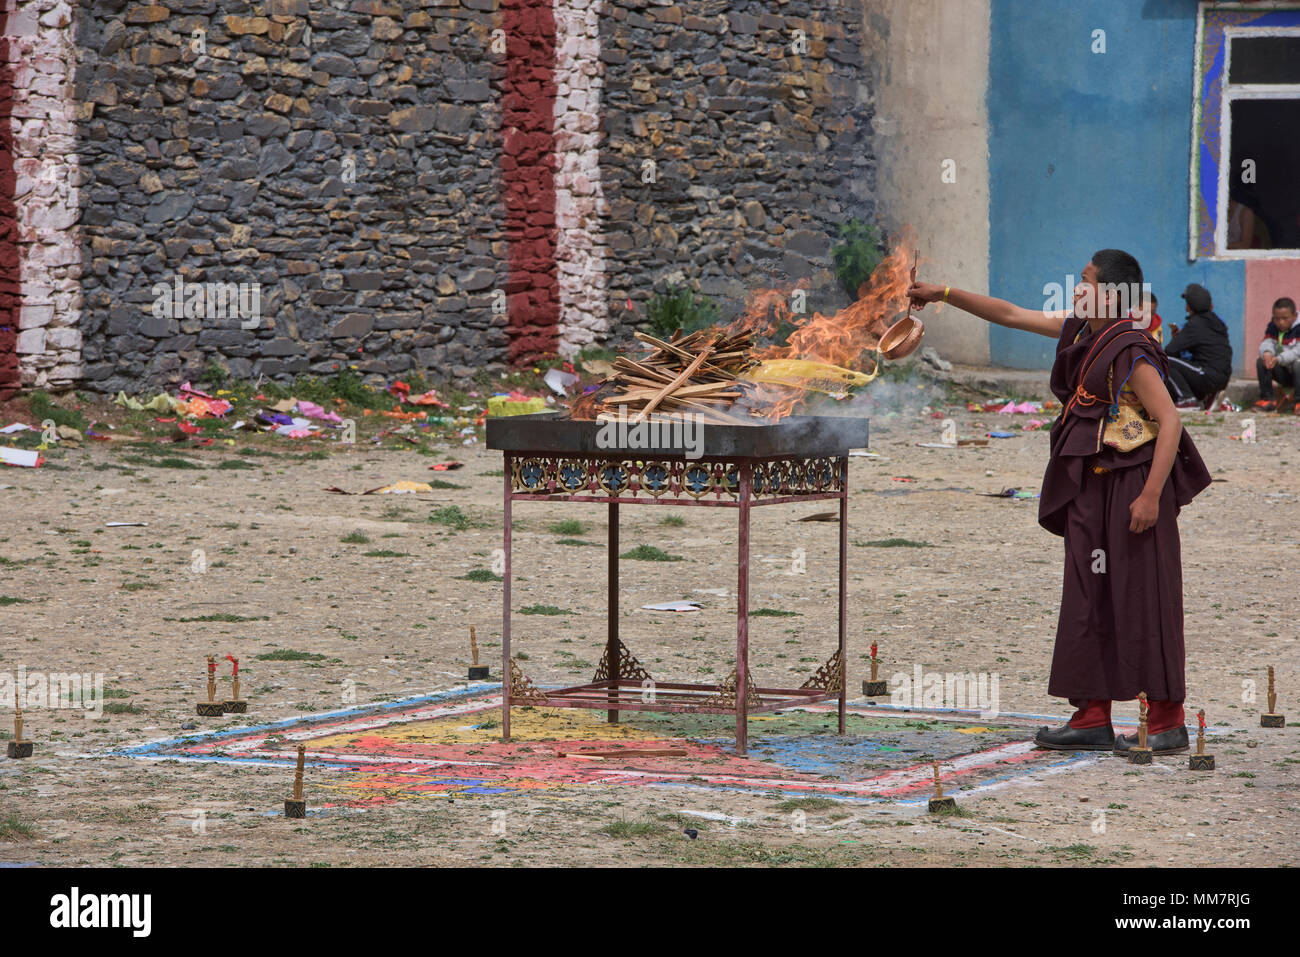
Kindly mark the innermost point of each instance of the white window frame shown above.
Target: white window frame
(1229, 94)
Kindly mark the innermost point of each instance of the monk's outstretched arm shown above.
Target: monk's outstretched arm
(1151, 392)
(997, 311)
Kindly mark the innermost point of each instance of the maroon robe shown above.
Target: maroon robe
(1120, 630)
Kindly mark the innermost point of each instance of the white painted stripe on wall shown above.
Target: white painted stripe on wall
(46, 196)
(579, 200)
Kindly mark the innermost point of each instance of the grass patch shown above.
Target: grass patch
(222, 616)
(237, 464)
(172, 462)
(119, 707)
(452, 517)
(672, 521)
(570, 526)
(385, 553)
(542, 610)
(894, 543)
(12, 828)
(772, 613)
(443, 483)
(13, 600)
(649, 553)
(480, 575)
(355, 538)
(43, 408)
(288, 654)
(576, 541)
(807, 804)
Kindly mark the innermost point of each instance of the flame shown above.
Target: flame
(842, 343)
(846, 339)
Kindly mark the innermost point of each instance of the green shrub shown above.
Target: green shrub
(859, 252)
(680, 308)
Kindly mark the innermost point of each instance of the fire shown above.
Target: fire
(822, 353)
(846, 339)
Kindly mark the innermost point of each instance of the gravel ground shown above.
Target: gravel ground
(259, 559)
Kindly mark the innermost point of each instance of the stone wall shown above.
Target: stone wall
(759, 151)
(40, 256)
(341, 153)
(414, 186)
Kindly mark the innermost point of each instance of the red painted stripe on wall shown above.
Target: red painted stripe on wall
(528, 178)
(10, 288)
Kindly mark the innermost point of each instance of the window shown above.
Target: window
(1259, 189)
(1246, 134)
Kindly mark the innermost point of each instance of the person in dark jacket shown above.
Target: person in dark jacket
(1200, 356)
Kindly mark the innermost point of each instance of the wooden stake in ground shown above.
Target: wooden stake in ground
(1141, 754)
(941, 802)
(875, 688)
(212, 708)
(296, 806)
(1200, 761)
(18, 748)
(477, 672)
(236, 704)
(1271, 719)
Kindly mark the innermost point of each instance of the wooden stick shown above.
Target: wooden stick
(686, 374)
(297, 777)
(18, 718)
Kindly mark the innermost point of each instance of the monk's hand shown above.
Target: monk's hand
(922, 292)
(1143, 513)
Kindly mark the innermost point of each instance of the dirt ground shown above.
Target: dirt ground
(390, 617)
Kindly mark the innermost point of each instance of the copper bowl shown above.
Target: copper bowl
(902, 338)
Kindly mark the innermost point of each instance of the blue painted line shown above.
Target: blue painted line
(152, 747)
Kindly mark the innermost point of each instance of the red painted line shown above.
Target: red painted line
(528, 178)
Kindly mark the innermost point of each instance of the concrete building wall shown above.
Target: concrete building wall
(1091, 150)
(928, 62)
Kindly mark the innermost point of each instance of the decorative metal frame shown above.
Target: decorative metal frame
(620, 478)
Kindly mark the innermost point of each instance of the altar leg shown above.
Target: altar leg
(844, 552)
(505, 614)
(742, 613)
(611, 642)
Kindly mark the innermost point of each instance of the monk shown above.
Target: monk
(1120, 469)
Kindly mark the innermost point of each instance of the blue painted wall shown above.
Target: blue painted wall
(1088, 151)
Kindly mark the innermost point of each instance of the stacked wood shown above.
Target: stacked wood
(697, 373)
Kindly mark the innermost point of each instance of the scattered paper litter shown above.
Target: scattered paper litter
(16, 427)
(673, 606)
(126, 524)
(559, 380)
(28, 459)
(404, 487)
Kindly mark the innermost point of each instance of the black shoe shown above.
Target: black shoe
(1173, 741)
(1066, 738)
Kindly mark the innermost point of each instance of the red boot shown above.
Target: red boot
(1094, 713)
(1164, 716)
